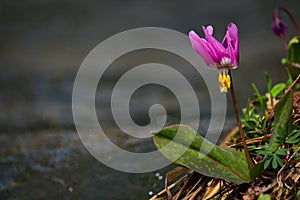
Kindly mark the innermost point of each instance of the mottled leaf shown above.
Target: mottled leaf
(183, 146)
(282, 114)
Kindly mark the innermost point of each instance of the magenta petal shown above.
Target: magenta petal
(231, 43)
(232, 31)
(202, 47)
(209, 30)
(233, 60)
(216, 46)
(278, 25)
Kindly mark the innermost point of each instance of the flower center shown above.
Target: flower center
(224, 80)
(225, 62)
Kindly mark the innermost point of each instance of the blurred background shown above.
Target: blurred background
(42, 45)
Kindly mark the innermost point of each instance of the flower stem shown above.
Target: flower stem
(291, 16)
(238, 119)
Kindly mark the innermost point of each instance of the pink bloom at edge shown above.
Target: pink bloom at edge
(278, 25)
(222, 56)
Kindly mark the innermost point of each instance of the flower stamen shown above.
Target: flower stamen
(224, 80)
(225, 62)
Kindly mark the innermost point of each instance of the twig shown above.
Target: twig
(193, 195)
(293, 84)
(253, 140)
(191, 190)
(287, 162)
(258, 131)
(176, 197)
(169, 187)
(291, 17)
(293, 64)
(296, 121)
(168, 190)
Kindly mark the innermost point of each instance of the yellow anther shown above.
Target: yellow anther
(225, 82)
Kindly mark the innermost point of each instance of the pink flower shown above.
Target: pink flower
(222, 56)
(278, 25)
(215, 54)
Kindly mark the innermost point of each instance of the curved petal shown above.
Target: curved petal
(232, 31)
(212, 43)
(231, 43)
(233, 34)
(278, 25)
(233, 60)
(209, 30)
(201, 46)
(216, 46)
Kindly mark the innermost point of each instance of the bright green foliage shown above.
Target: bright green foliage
(298, 194)
(272, 158)
(293, 138)
(261, 99)
(264, 197)
(294, 50)
(253, 119)
(293, 58)
(277, 89)
(256, 113)
(201, 155)
(283, 132)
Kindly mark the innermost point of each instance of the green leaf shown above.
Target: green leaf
(277, 89)
(282, 133)
(282, 114)
(269, 82)
(294, 138)
(183, 146)
(264, 152)
(256, 170)
(274, 162)
(290, 78)
(296, 156)
(251, 123)
(294, 50)
(284, 61)
(267, 162)
(263, 196)
(247, 112)
(278, 160)
(298, 193)
(294, 56)
(281, 152)
(260, 99)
